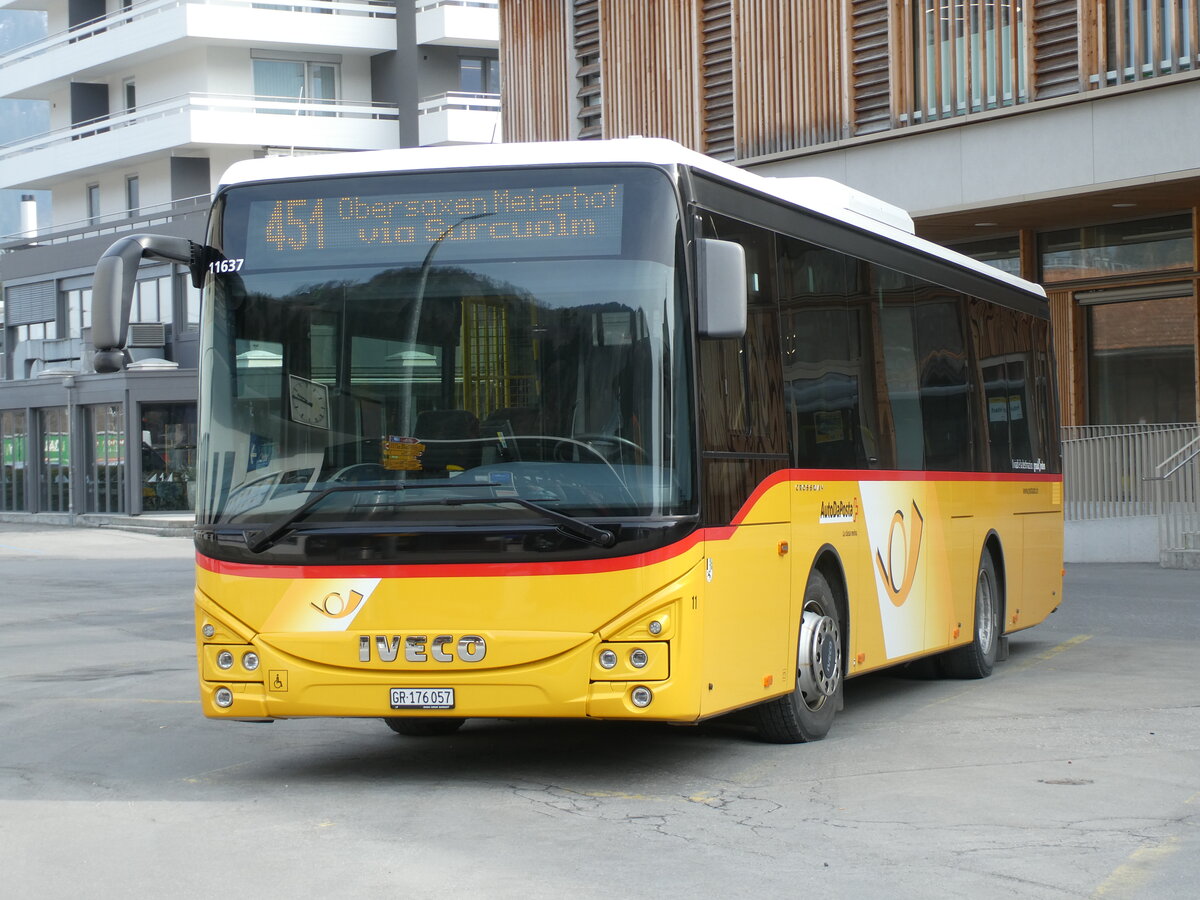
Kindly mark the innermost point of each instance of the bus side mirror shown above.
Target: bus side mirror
(112, 290)
(721, 282)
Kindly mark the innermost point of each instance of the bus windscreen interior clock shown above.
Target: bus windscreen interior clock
(309, 401)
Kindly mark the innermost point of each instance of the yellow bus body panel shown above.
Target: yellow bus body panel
(726, 603)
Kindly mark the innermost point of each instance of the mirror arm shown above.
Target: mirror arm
(113, 284)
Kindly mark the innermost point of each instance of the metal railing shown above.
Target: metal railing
(459, 100)
(1116, 471)
(110, 223)
(235, 103)
(141, 11)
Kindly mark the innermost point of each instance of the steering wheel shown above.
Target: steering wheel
(616, 442)
(356, 472)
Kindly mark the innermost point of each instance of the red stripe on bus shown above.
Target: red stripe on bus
(613, 564)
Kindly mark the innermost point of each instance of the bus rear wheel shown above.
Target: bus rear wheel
(806, 714)
(977, 658)
(412, 726)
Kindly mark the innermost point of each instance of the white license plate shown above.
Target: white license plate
(422, 698)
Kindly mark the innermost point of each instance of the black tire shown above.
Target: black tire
(412, 726)
(806, 714)
(977, 658)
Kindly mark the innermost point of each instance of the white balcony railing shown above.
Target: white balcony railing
(283, 106)
(459, 118)
(461, 23)
(143, 11)
(111, 223)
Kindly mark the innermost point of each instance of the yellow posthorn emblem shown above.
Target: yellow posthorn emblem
(898, 591)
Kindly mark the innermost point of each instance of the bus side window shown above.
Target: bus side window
(828, 376)
(894, 298)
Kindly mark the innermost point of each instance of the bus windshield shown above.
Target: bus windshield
(467, 348)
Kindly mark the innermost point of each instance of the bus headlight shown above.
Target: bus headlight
(225, 659)
(223, 697)
(250, 661)
(638, 658)
(641, 696)
(608, 659)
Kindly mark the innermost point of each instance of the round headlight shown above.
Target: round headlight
(608, 659)
(655, 627)
(208, 631)
(225, 659)
(223, 697)
(641, 697)
(638, 658)
(250, 661)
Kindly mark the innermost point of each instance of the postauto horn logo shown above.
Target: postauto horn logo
(900, 569)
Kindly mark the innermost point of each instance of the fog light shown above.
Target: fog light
(641, 697)
(608, 659)
(208, 631)
(224, 698)
(225, 659)
(250, 661)
(655, 627)
(638, 659)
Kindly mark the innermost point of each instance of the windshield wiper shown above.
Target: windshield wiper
(568, 525)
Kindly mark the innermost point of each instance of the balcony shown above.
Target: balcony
(161, 28)
(459, 23)
(197, 121)
(145, 218)
(455, 118)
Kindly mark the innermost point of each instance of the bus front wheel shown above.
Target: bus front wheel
(412, 726)
(807, 712)
(977, 658)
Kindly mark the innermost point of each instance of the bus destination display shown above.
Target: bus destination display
(555, 221)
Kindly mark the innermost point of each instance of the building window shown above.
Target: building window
(969, 56)
(1000, 253)
(168, 456)
(79, 311)
(106, 458)
(1141, 361)
(93, 203)
(133, 194)
(130, 94)
(1122, 248)
(152, 300)
(55, 483)
(13, 460)
(478, 75)
(311, 82)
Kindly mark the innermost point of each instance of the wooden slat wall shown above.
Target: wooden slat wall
(585, 33)
(535, 89)
(870, 66)
(1056, 41)
(790, 74)
(717, 89)
(649, 70)
(1066, 323)
(1137, 39)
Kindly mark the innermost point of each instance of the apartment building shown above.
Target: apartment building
(1053, 138)
(149, 103)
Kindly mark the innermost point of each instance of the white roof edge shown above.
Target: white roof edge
(819, 195)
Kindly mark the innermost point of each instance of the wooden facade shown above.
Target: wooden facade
(740, 79)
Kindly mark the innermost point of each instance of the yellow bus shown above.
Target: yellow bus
(601, 430)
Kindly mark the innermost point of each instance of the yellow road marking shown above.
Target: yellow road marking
(1128, 878)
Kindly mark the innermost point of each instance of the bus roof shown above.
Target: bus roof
(821, 196)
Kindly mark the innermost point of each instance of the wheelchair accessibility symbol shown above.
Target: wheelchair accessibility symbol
(277, 680)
